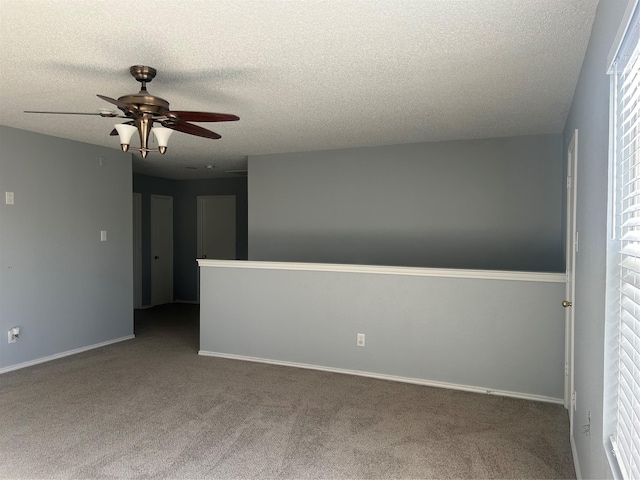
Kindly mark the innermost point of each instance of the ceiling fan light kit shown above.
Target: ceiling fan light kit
(162, 135)
(125, 132)
(143, 110)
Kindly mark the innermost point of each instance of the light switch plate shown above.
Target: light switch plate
(8, 198)
(103, 235)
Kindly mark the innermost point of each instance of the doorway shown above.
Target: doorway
(161, 249)
(217, 227)
(137, 250)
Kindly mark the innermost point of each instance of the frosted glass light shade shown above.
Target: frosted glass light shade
(162, 135)
(125, 132)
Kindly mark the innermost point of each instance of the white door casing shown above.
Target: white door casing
(161, 249)
(571, 250)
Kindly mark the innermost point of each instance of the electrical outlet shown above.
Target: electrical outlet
(360, 340)
(13, 334)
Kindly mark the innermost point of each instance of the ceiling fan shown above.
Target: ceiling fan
(143, 110)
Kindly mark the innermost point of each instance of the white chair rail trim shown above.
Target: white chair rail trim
(385, 270)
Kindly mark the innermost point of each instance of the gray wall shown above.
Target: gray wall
(492, 334)
(185, 222)
(590, 115)
(481, 204)
(64, 287)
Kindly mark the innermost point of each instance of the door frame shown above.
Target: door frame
(199, 231)
(170, 198)
(572, 247)
(137, 250)
(199, 212)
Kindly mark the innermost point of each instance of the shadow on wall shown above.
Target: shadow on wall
(493, 204)
(472, 251)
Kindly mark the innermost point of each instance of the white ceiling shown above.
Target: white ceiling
(301, 74)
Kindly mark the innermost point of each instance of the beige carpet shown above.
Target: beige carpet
(152, 408)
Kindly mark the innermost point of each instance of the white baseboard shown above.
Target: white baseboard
(30, 363)
(394, 378)
(576, 461)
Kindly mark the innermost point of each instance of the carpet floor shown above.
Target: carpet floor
(152, 408)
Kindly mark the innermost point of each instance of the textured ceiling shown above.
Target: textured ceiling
(300, 74)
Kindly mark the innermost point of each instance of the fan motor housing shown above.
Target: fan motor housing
(147, 103)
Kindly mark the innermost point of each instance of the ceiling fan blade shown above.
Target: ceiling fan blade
(203, 116)
(185, 127)
(124, 106)
(110, 115)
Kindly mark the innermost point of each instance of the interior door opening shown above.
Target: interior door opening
(137, 250)
(161, 249)
(216, 228)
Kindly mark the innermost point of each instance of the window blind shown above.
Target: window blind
(626, 196)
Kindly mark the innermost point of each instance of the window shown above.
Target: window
(623, 323)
